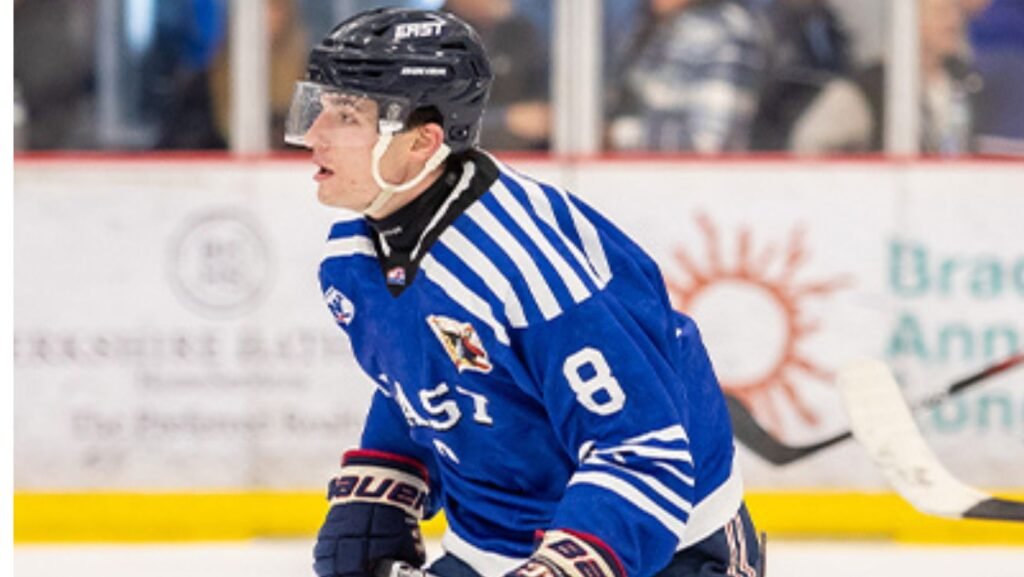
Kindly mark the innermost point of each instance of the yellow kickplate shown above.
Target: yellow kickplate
(210, 516)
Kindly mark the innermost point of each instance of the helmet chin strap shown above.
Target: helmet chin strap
(388, 190)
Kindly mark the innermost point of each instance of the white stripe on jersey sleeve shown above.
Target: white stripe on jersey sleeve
(652, 482)
(348, 246)
(715, 509)
(672, 433)
(476, 260)
(541, 204)
(466, 298)
(633, 496)
(546, 301)
(591, 240)
(651, 452)
(674, 472)
(584, 228)
(572, 281)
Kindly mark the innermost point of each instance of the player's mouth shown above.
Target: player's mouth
(323, 173)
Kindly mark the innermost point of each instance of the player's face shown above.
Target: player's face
(342, 139)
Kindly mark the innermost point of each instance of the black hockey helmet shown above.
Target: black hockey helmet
(404, 60)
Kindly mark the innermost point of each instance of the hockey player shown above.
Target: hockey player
(532, 378)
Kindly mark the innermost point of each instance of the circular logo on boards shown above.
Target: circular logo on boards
(753, 310)
(219, 263)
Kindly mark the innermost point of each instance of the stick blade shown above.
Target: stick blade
(882, 423)
(997, 509)
(746, 429)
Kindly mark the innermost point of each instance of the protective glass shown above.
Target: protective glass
(344, 118)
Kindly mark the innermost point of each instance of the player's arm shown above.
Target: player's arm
(386, 430)
(614, 400)
(377, 500)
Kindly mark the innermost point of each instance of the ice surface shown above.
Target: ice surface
(293, 558)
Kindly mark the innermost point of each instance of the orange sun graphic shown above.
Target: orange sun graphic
(750, 315)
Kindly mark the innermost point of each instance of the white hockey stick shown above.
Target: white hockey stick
(882, 424)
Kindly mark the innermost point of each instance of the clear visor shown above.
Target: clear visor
(339, 117)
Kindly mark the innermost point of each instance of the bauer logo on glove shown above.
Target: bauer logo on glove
(368, 486)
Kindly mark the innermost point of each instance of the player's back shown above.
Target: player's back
(630, 281)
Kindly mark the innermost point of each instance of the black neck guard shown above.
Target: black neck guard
(402, 238)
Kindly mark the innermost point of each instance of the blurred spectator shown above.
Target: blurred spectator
(54, 59)
(997, 40)
(189, 33)
(809, 49)
(287, 54)
(518, 113)
(619, 17)
(690, 80)
(849, 115)
(20, 120)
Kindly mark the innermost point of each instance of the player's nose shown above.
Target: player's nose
(316, 136)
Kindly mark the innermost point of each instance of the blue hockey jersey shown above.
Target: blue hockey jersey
(534, 364)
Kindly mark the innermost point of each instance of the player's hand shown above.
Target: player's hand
(376, 505)
(570, 554)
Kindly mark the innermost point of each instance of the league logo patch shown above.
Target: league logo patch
(342, 308)
(461, 343)
(396, 276)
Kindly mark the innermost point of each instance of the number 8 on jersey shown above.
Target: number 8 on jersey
(588, 374)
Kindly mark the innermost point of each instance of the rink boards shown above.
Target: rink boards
(174, 362)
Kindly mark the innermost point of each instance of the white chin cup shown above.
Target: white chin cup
(387, 190)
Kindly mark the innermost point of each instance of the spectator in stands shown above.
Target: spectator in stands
(176, 93)
(287, 54)
(997, 40)
(848, 115)
(20, 120)
(518, 114)
(809, 48)
(690, 80)
(57, 103)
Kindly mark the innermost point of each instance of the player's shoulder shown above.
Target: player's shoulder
(519, 250)
(349, 236)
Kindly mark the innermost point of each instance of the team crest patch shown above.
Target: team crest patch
(461, 343)
(342, 308)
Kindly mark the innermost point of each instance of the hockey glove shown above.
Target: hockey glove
(376, 505)
(564, 553)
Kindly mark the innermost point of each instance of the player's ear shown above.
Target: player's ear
(429, 137)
